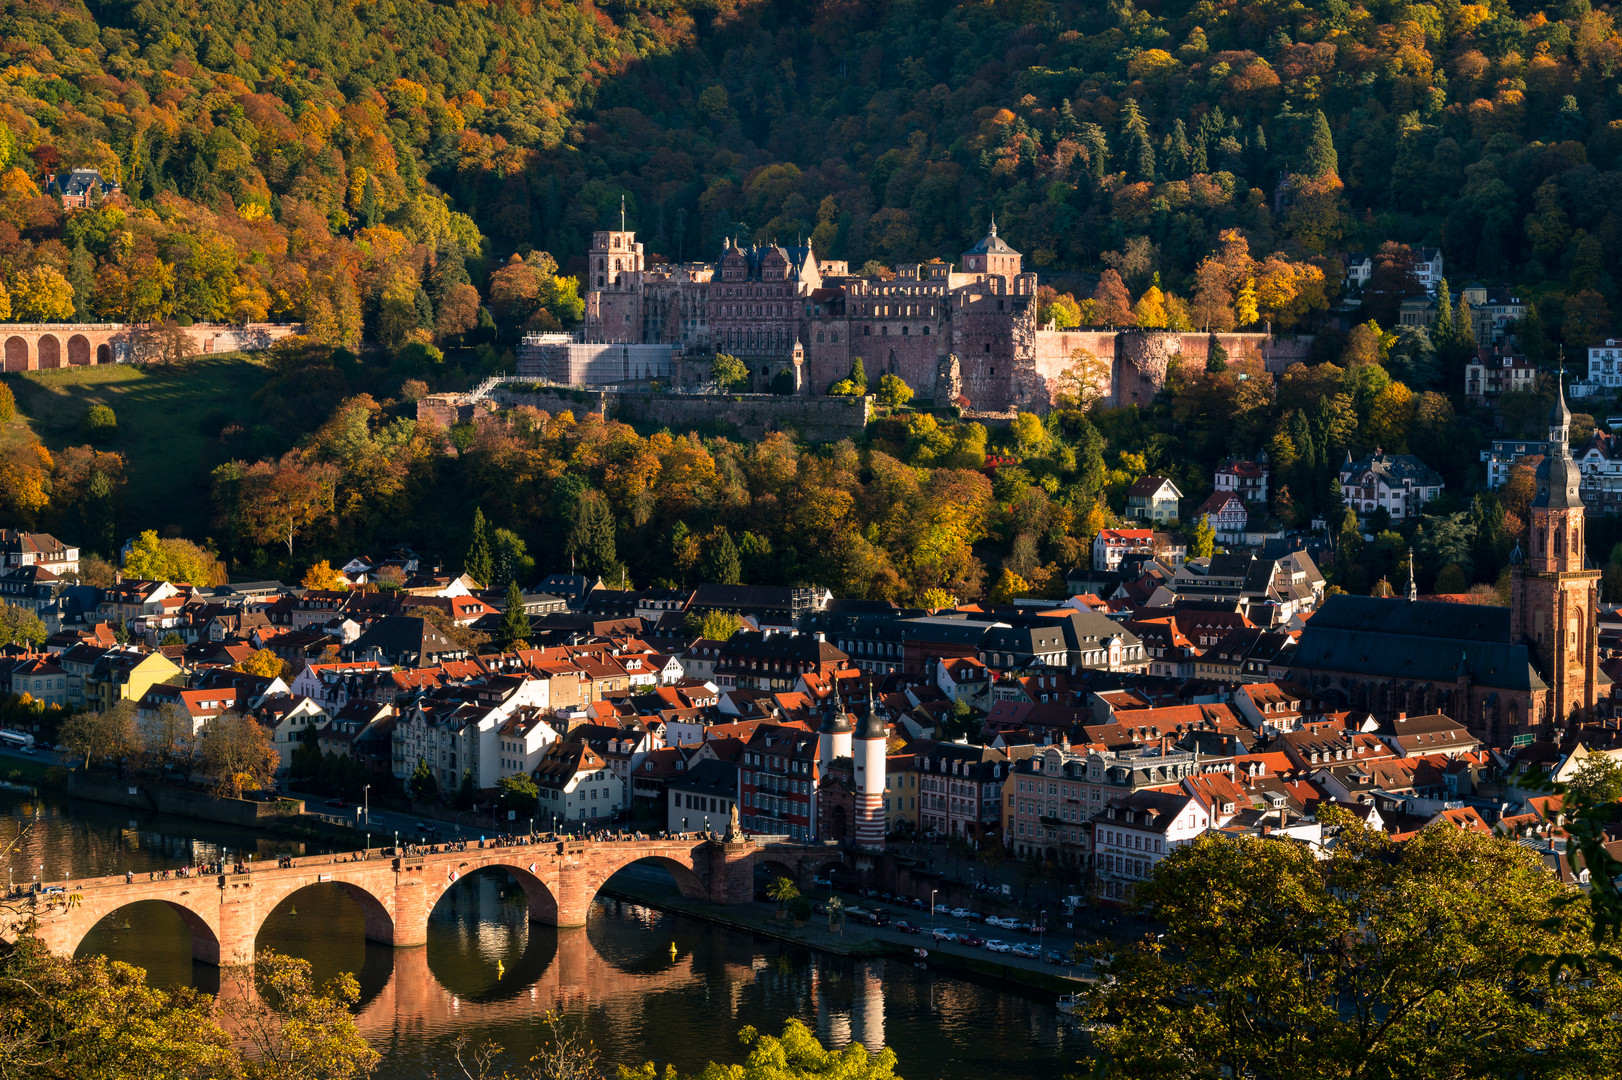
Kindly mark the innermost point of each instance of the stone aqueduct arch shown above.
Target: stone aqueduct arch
(396, 895)
(43, 346)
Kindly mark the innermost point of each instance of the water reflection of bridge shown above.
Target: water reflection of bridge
(414, 1003)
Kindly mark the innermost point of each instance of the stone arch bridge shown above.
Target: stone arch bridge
(397, 893)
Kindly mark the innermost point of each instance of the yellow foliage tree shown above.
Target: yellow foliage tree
(264, 663)
(323, 576)
(1009, 587)
(1150, 310)
(1244, 305)
(42, 294)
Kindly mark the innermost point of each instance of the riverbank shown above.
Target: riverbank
(279, 820)
(857, 942)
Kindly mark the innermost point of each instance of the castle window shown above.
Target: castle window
(867, 331)
(884, 331)
(988, 346)
(926, 331)
(903, 331)
(833, 336)
(819, 336)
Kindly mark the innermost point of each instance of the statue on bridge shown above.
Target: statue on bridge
(734, 834)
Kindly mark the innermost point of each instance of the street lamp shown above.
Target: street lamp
(1041, 928)
(366, 796)
(932, 893)
(396, 843)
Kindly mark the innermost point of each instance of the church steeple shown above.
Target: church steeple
(1554, 598)
(1413, 590)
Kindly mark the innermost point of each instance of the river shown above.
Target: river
(488, 974)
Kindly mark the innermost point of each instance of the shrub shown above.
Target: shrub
(99, 423)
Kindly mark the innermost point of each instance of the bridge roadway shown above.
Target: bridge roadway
(397, 892)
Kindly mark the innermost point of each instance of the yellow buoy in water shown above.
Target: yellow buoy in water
(673, 950)
(292, 911)
(501, 969)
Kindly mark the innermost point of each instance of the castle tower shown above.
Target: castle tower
(613, 254)
(1554, 601)
(833, 738)
(872, 746)
(993, 257)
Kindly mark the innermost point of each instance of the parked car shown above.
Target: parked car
(999, 922)
(977, 916)
(1030, 952)
(30, 751)
(912, 902)
(944, 935)
(339, 803)
(970, 940)
(998, 946)
(1058, 959)
(907, 927)
(825, 882)
(959, 913)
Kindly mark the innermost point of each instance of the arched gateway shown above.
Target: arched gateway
(396, 894)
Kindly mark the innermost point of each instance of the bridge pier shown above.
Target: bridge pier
(732, 871)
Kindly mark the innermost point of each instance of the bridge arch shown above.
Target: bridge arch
(379, 919)
(543, 902)
(688, 883)
(104, 354)
(16, 353)
(50, 352)
(78, 351)
(205, 934)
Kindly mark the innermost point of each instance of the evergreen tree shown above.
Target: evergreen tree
(591, 535)
(1216, 357)
(478, 564)
(468, 793)
(515, 625)
(82, 276)
(858, 375)
(1136, 149)
(425, 309)
(1319, 157)
(1092, 137)
(721, 563)
(1444, 314)
(1068, 127)
(422, 784)
(1177, 151)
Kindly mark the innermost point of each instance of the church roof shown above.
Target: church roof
(1421, 640)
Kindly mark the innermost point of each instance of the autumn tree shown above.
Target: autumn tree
(795, 1055)
(171, 559)
(237, 754)
(168, 737)
(294, 1029)
(321, 575)
(107, 733)
(263, 663)
(279, 500)
(1113, 302)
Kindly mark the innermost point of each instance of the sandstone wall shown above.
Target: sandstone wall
(817, 419)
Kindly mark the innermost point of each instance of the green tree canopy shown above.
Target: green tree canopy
(1375, 958)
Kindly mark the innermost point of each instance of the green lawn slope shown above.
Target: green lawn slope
(169, 425)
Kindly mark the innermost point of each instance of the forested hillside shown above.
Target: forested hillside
(319, 159)
(413, 174)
